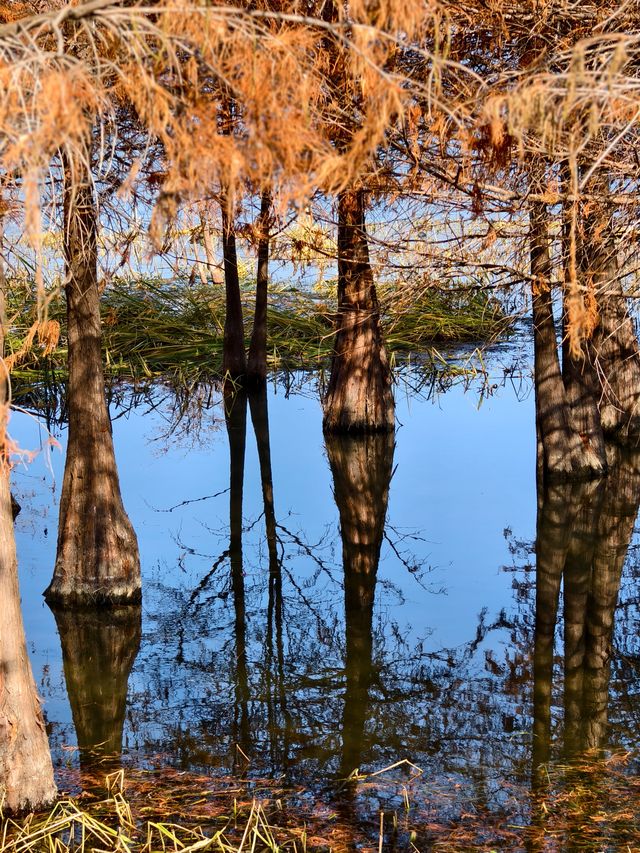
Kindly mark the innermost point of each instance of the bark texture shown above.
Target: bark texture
(257, 362)
(26, 771)
(234, 361)
(613, 345)
(98, 651)
(361, 468)
(97, 559)
(565, 452)
(359, 396)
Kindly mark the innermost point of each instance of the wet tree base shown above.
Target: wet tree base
(76, 596)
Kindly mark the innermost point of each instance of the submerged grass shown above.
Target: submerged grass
(159, 328)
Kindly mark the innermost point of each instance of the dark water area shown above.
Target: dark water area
(315, 606)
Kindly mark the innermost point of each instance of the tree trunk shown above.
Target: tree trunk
(257, 364)
(234, 362)
(359, 397)
(98, 650)
(26, 771)
(578, 372)
(97, 558)
(613, 345)
(564, 454)
(361, 468)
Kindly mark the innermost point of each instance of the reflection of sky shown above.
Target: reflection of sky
(463, 474)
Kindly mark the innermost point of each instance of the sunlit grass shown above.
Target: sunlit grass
(158, 328)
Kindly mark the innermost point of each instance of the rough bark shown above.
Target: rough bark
(236, 419)
(361, 468)
(97, 559)
(578, 372)
(564, 453)
(26, 771)
(359, 396)
(99, 648)
(257, 362)
(234, 362)
(613, 345)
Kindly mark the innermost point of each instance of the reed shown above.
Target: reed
(155, 328)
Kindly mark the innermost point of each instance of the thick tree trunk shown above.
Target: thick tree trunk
(257, 363)
(234, 362)
(361, 468)
(98, 651)
(613, 345)
(580, 379)
(26, 771)
(97, 558)
(564, 454)
(359, 397)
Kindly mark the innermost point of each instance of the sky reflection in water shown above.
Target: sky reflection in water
(251, 649)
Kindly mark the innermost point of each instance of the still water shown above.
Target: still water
(314, 607)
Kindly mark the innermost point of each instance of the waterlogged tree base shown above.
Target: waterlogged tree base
(74, 595)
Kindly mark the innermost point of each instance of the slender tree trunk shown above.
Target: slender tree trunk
(564, 454)
(359, 397)
(613, 345)
(257, 363)
(97, 558)
(99, 648)
(234, 362)
(26, 771)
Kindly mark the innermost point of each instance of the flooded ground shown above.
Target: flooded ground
(311, 607)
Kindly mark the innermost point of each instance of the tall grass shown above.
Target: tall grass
(155, 328)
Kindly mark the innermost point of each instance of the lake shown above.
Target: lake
(311, 608)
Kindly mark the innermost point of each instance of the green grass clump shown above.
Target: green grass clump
(155, 328)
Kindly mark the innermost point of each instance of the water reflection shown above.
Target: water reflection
(98, 651)
(279, 644)
(236, 420)
(584, 532)
(361, 467)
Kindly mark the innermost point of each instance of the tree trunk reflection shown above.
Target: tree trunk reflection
(361, 468)
(99, 648)
(275, 691)
(236, 420)
(583, 535)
